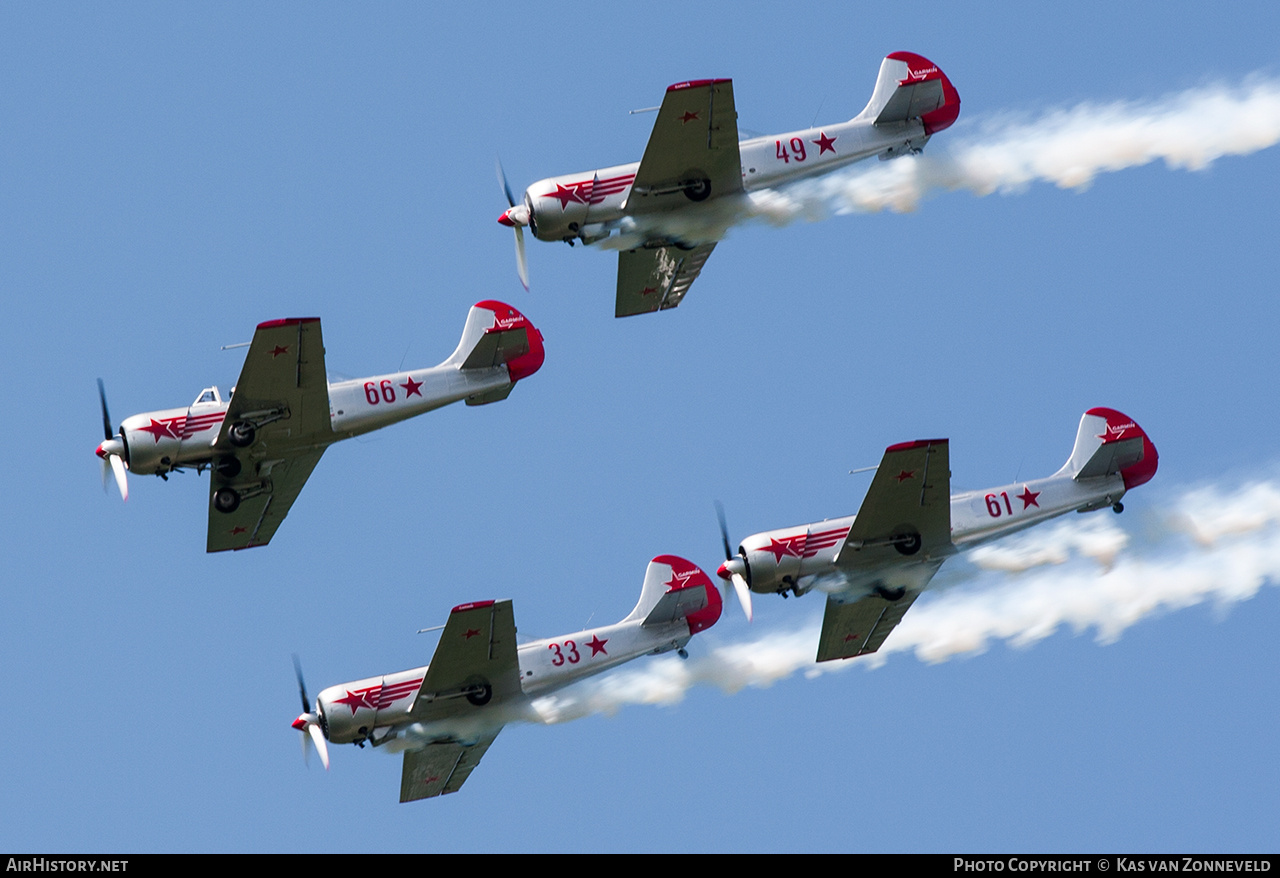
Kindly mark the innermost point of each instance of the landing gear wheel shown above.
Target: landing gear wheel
(699, 190)
(482, 697)
(227, 467)
(895, 595)
(241, 434)
(908, 544)
(226, 500)
(1118, 508)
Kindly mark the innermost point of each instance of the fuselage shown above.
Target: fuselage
(796, 558)
(591, 205)
(172, 439)
(377, 708)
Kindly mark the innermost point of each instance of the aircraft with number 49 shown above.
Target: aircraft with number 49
(672, 201)
(445, 715)
(262, 443)
(872, 566)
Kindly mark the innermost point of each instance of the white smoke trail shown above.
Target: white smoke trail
(1065, 147)
(1212, 544)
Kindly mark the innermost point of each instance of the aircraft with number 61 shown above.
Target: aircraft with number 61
(262, 443)
(445, 715)
(673, 202)
(873, 566)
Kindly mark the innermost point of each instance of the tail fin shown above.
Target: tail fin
(1109, 442)
(496, 334)
(676, 589)
(911, 86)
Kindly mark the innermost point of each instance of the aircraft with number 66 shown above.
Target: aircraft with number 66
(262, 442)
(444, 716)
(678, 200)
(873, 565)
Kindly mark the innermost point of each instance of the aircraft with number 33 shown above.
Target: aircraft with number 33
(444, 716)
(262, 443)
(671, 201)
(872, 566)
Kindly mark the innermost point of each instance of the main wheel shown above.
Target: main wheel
(226, 500)
(896, 595)
(227, 467)
(699, 190)
(908, 544)
(241, 434)
(481, 698)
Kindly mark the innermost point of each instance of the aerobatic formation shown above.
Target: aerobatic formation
(666, 212)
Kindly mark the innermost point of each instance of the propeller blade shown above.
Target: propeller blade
(122, 480)
(724, 530)
(106, 418)
(744, 593)
(522, 265)
(502, 181)
(302, 687)
(317, 738)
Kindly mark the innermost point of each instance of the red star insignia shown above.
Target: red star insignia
(688, 116)
(432, 779)
(278, 350)
(825, 143)
(597, 645)
(471, 632)
(160, 429)
(786, 547)
(904, 475)
(850, 637)
(564, 196)
(648, 290)
(1028, 497)
(411, 387)
(238, 530)
(356, 700)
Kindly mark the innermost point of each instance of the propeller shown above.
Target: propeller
(517, 217)
(734, 568)
(309, 722)
(112, 450)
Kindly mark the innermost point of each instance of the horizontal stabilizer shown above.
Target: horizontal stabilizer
(912, 101)
(496, 334)
(1111, 443)
(1111, 458)
(676, 605)
(496, 348)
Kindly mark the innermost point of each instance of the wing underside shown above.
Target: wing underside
(897, 542)
(439, 769)
(281, 403)
(693, 149)
(654, 279)
(475, 663)
(256, 519)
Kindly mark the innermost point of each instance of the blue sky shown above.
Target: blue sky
(174, 175)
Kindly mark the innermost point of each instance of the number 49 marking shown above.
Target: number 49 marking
(797, 150)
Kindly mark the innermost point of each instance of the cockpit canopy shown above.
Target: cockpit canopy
(209, 396)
